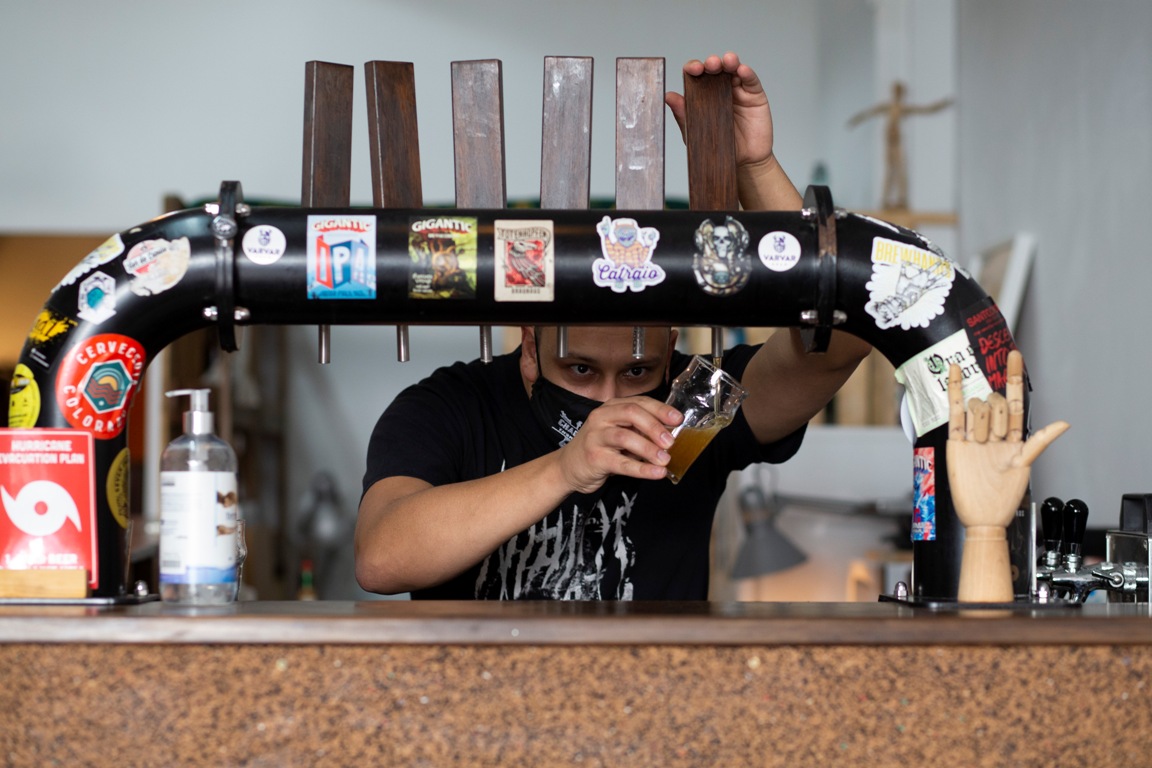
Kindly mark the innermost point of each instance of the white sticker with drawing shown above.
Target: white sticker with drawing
(908, 285)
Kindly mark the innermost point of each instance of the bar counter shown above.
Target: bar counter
(590, 684)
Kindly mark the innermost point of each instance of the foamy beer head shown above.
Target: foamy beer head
(709, 400)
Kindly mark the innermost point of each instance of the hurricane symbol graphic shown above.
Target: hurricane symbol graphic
(40, 508)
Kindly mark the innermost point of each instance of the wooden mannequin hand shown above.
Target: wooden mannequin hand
(988, 464)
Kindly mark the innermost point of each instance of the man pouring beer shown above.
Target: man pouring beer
(540, 476)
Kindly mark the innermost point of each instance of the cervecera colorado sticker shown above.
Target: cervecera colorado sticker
(342, 257)
(627, 261)
(908, 285)
(525, 260)
(157, 265)
(721, 262)
(96, 382)
(442, 257)
(925, 376)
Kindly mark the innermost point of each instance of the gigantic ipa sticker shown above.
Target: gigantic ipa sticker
(96, 383)
(342, 257)
(48, 496)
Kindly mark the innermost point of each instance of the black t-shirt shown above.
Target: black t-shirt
(632, 539)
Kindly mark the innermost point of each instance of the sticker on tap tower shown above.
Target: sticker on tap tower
(341, 257)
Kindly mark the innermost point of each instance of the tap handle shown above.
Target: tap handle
(1052, 521)
(1075, 523)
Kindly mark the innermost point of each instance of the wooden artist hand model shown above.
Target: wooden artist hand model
(988, 469)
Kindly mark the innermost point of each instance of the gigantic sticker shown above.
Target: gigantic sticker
(925, 377)
(924, 494)
(721, 262)
(988, 332)
(104, 253)
(779, 251)
(23, 398)
(264, 244)
(525, 260)
(157, 265)
(627, 261)
(908, 285)
(443, 258)
(342, 257)
(96, 300)
(96, 382)
(49, 501)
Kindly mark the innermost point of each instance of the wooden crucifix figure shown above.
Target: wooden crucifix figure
(896, 167)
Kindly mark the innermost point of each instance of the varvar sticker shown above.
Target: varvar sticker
(23, 398)
(96, 382)
(925, 377)
(924, 494)
(264, 244)
(157, 265)
(104, 253)
(721, 263)
(48, 496)
(525, 260)
(442, 258)
(342, 257)
(627, 261)
(989, 335)
(779, 251)
(908, 285)
(49, 327)
(116, 487)
(96, 300)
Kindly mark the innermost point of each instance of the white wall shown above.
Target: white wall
(1055, 139)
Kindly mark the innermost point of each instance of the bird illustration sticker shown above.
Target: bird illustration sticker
(525, 260)
(908, 285)
(48, 495)
(627, 261)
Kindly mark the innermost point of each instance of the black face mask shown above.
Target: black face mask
(562, 412)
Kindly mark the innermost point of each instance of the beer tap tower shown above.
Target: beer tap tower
(230, 264)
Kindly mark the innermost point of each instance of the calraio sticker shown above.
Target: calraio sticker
(525, 260)
(442, 254)
(96, 382)
(48, 495)
(908, 285)
(721, 262)
(157, 265)
(627, 261)
(925, 377)
(342, 257)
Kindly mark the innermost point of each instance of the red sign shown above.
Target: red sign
(48, 500)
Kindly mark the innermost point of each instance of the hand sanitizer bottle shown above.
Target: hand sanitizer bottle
(198, 511)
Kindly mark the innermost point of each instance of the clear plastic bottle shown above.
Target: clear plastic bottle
(199, 508)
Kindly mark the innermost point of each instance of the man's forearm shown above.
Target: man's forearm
(766, 187)
(423, 538)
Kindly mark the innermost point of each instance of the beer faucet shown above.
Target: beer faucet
(1061, 573)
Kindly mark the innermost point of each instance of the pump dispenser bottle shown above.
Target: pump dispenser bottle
(198, 511)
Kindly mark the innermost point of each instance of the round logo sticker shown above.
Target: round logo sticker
(116, 486)
(264, 244)
(779, 251)
(24, 399)
(96, 382)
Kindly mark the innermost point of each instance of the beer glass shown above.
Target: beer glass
(709, 400)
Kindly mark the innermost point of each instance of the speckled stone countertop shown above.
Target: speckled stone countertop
(698, 684)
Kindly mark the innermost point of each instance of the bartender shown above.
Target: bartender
(538, 476)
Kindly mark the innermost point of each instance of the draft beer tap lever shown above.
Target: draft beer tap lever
(402, 352)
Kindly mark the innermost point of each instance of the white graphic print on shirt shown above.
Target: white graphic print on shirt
(574, 556)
